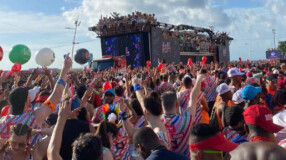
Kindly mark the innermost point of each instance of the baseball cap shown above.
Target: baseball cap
(223, 88)
(249, 92)
(234, 72)
(237, 98)
(110, 91)
(262, 117)
(217, 142)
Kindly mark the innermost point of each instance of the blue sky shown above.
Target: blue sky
(41, 23)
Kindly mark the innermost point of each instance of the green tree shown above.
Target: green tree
(282, 46)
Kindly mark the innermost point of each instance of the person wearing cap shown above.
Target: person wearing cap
(235, 75)
(206, 143)
(272, 83)
(108, 97)
(259, 124)
(237, 98)
(251, 95)
(223, 100)
(235, 132)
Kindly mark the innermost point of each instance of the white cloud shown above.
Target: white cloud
(63, 8)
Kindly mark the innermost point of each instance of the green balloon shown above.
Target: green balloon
(20, 54)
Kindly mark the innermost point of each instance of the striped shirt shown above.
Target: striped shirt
(7, 121)
(234, 137)
(210, 88)
(179, 130)
(198, 115)
(166, 86)
(183, 99)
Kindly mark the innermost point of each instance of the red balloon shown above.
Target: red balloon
(106, 86)
(148, 63)
(239, 59)
(1, 53)
(190, 62)
(160, 66)
(5, 110)
(204, 59)
(16, 67)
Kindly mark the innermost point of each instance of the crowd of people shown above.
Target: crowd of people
(174, 112)
(116, 24)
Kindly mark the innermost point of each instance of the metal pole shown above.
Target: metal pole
(274, 32)
(73, 42)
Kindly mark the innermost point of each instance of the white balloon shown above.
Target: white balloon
(45, 57)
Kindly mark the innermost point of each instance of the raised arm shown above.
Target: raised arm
(139, 94)
(89, 90)
(194, 95)
(48, 74)
(31, 77)
(56, 139)
(49, 106)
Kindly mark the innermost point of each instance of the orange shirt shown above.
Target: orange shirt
(272, 92)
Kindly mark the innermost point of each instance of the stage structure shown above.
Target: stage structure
(140, 37)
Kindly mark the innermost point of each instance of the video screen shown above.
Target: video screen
(130, 45)
(275, 54)
(164, 48)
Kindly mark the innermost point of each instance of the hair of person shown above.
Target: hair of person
(169, 100)
(279, 98)
(21, 130)
(187, 81)
(87, 147)
(181, 76)
(52, 119)
(233, 115)
(227, 81)
(17, 99)
(137, 107)
(80, 91)
(153, 106)
(146, 137)
(119, 91)
(201, 132)
(254, 129)
(82, 114)
(158, 81)
(151, 84)
(103, 129)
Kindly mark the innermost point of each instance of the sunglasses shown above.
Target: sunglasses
(108, 94)
(223, 154)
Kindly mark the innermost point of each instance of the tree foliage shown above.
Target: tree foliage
(282, 46)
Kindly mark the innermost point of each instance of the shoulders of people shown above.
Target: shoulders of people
(166, 155)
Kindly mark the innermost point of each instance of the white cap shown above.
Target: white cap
(275, 71)
(33, 92)
(237, 98)
(234, 72)
(223, 88)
